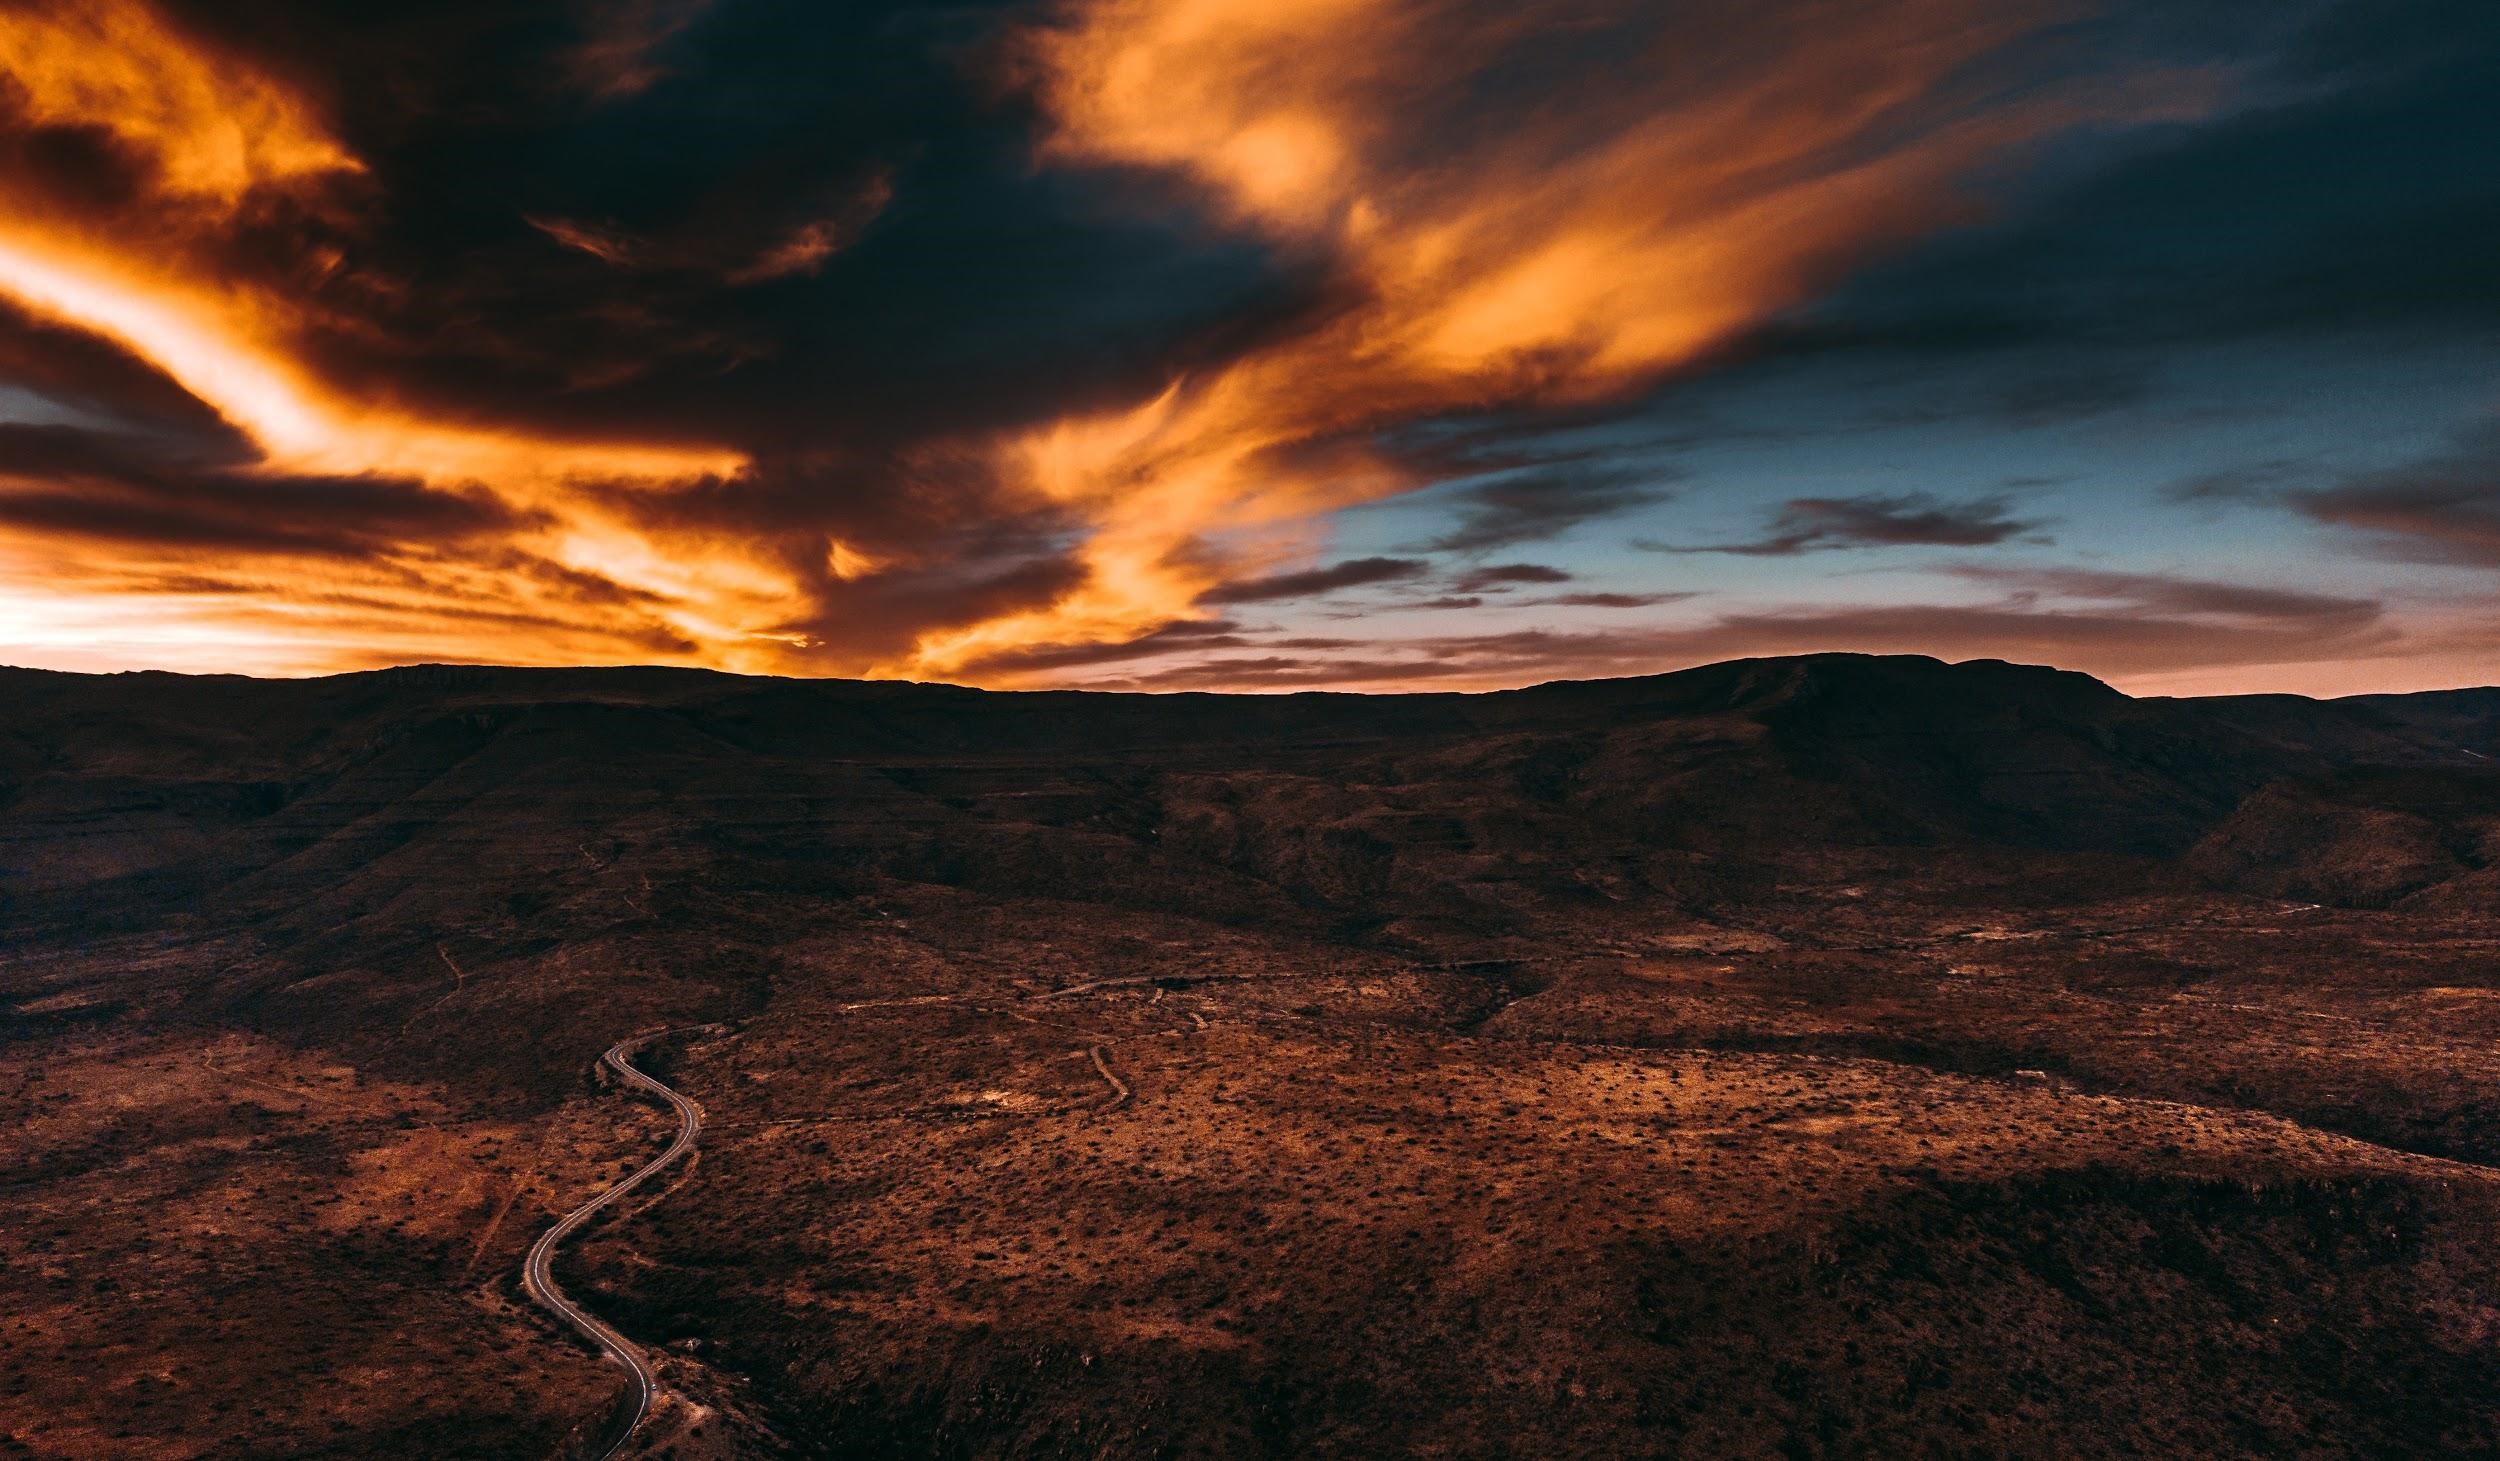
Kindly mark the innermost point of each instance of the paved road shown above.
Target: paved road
(538, 1273)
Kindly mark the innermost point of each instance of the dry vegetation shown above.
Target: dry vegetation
(1135, 1118)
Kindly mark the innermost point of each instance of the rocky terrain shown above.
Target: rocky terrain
(1825, 1056)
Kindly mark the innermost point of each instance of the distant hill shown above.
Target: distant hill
(313, 802)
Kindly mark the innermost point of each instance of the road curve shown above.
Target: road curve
(538, 1272)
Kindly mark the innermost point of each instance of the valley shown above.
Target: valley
(1829, 1056)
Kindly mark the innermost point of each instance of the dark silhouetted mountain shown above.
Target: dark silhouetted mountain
(323, 801)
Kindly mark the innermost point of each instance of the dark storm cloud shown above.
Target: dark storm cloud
(621, 52)
(1189, 635)
(2252, 482)
(1505, 575)
(2047, 395)
(1352, 573)
(714, 136)
(2050, 399)
(79, 369)
(1188, 638)
(60, 482)
(33, 452)
(886, 502)
(1870, 520)
(2443, 509)
(1608, 600)
(2357, 185)
(881, 613)
(774, 223)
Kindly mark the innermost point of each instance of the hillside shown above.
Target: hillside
(1819, 1056)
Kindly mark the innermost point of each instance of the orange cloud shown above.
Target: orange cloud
(225, 346)
(600, 244)
(1578, 247)
(215, 131)
(215, 345)
(212, 136)
(1581, 250)
(539, 589)
(806, 248)
(241, 613)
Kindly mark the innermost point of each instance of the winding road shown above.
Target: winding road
(538, 1272)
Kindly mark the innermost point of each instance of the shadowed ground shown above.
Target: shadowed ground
(1830, 1056)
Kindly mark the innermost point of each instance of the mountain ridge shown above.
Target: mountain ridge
(173, 787)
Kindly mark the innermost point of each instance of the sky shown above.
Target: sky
(1253, 344)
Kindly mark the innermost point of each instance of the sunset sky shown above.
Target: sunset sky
(1253, 344)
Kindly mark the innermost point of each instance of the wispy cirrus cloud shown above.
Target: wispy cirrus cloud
(1609, 599)
(618, 56)
(2120, 626)
(1871, 520)
(2442, 509)
(607, 245)
(1316, 582)
(804, 249)
(1498, 576)
(1540, 504)
(2167, 594)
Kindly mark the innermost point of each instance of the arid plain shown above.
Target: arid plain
(1818, 1057)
